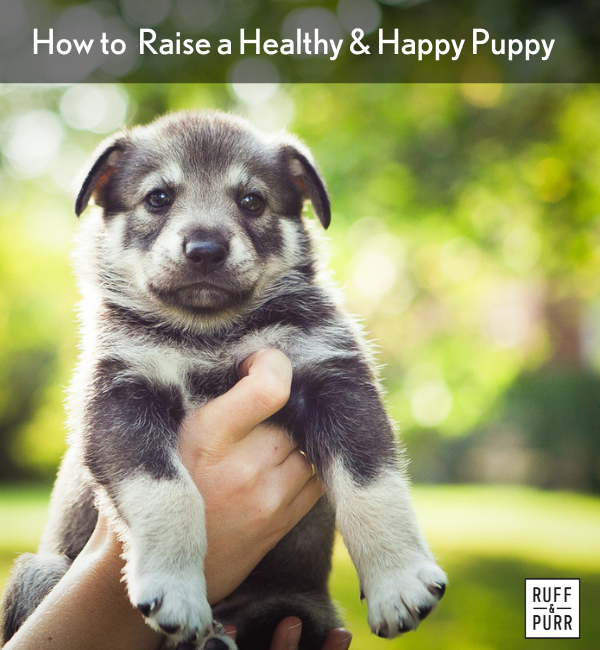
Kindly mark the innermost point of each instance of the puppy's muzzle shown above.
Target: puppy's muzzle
(205, 255)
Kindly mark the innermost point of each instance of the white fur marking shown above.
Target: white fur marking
(170, 175)
(302, 349)
(165, 366)
(397, 573)
(239, 176)
(242, 257)
(165, 549)
(291, 238)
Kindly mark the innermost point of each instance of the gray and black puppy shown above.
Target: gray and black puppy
(198, 257)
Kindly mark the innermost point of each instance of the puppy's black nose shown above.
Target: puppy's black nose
(205, 255)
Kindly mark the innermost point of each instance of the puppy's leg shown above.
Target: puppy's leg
(398, 576)
(338, 418)
(131, 451)
(165, 544)
(257, 620)
(32, 579)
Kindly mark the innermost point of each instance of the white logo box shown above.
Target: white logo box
(551, 609)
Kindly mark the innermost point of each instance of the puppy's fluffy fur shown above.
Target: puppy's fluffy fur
(197, 257)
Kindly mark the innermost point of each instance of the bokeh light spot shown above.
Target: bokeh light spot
(482, 95)
(146, 13)
(33, 142)
(551, 180)
(97, 108)
(364, 14)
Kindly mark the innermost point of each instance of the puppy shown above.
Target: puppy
(199, 256)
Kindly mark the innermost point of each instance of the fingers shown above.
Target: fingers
(302, 459)
(263, 389)
(304, 500)
(296, 470)
(267, 445)
(271, 448)
(339, 639)
(230, 631)
(288, 632)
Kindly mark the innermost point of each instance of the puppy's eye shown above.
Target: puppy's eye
(253, 203)
(158, 200)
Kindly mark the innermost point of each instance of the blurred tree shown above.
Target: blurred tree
(465, 233)
(572, 26)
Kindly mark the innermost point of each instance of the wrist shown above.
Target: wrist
(101, 559)
(100, 566)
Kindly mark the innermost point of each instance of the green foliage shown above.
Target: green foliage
(487, 539)
(464, 218)
(23, 514)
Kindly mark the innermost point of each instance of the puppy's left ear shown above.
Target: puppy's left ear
(309, 181)
(104, 166)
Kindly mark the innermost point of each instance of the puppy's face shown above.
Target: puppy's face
(200, 212)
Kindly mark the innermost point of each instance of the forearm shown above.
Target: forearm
(88, 608)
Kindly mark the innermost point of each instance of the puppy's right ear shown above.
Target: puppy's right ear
(102, 169)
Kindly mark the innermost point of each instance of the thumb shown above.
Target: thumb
(262, 391)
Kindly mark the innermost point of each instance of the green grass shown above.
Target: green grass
(488, 539)
(22, 517)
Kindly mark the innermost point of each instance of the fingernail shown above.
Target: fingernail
(294, 634)
(344, 643)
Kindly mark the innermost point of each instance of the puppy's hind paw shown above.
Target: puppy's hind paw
(401, 599)
(215, 640)
(218, 643)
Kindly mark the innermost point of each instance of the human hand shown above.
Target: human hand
(288, 632)
(255, 483)
(256, 487)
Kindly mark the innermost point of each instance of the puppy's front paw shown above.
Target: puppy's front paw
(400, 599)
(176, 607)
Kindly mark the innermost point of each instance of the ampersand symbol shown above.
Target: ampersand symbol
(357, 41)
(552, 609)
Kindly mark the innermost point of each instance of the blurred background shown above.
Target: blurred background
(466, 237)
(573, 28)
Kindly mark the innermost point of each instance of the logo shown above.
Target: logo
(552, 609)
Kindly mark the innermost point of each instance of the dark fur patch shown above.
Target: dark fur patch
(32, 579)
(159, 333)
(304, 310)
(266, 241)
(211, 384)
(140, 235)
(135, 163)
(336, 411)
(135, 426)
